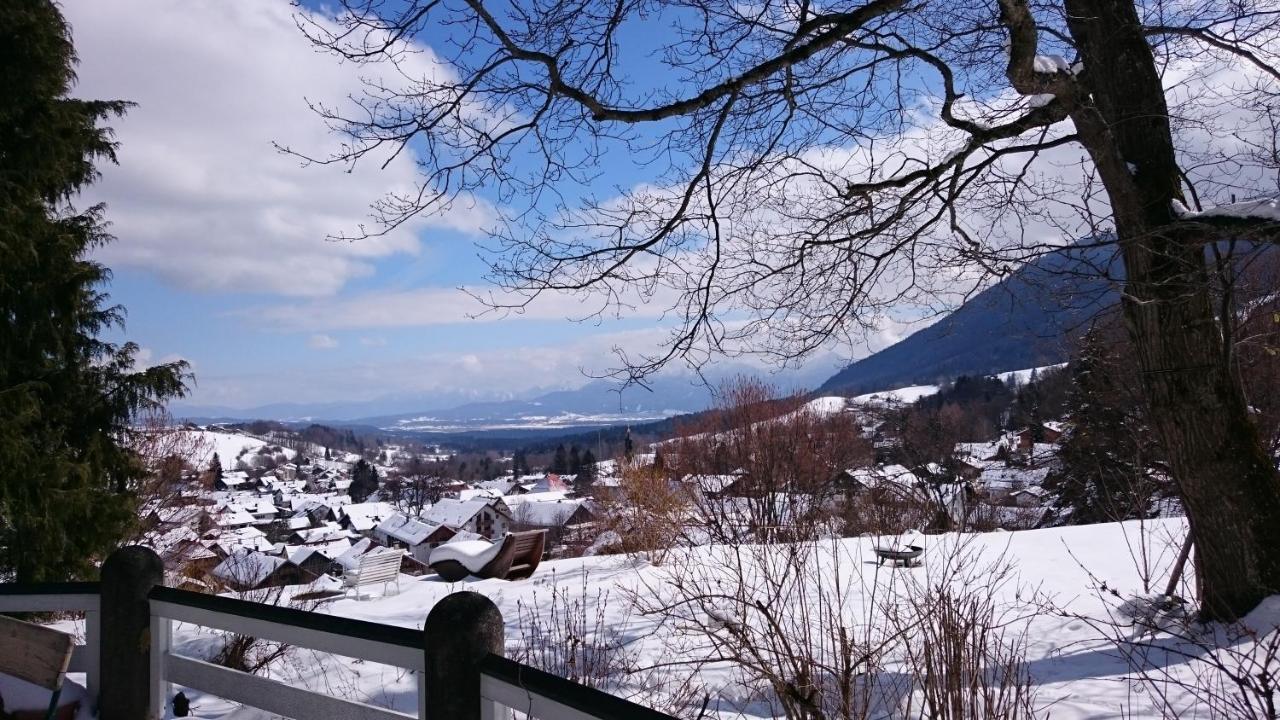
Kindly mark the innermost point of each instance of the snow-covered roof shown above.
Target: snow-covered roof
(406, 529)
(299, 555)
(456, 513)
(232, 516)
(711, 483)
(323, 534)
(247, 567)
(546, 514)
(351, 558)
(366, 516)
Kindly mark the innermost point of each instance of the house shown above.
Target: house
(1050, 432)
(327, 533)
(551, 482)
(263, 510)
(318, 559)
(490, 517)
(1032, 496)
(557, 517)
(709, 487)
(317, 511)
(364, 517)
(253, 570)
(225, 541)
(418, 537)
(237, 480)
(228, 515)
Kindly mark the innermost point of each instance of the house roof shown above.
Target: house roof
(366, 516)
(546, 514)
(247, 567)
(406, 529)
(456, 513)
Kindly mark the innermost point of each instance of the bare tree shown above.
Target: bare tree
(414, 486)
(810, 167)
(762, 467)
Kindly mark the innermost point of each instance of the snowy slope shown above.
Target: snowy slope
(227, 445)
(1076, 669)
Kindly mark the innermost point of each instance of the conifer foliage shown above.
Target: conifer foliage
(68, 479)
(1110, 467)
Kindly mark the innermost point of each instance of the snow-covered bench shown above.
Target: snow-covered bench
(516, 557)
(376, 566)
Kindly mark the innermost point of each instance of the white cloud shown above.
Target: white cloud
(201, 197)
(321, 342)
(423, 307)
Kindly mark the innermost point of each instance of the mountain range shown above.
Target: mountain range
(1028, 319)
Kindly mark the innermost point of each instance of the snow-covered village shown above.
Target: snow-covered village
(869, 360)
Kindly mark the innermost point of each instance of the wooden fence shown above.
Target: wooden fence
(457, 656)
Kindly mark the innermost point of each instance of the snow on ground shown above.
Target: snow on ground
(1022, 377)
(1076, 669)
(901, 395)
(907, 395)
(227, 445)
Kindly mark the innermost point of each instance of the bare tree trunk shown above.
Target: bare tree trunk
(1228, 484)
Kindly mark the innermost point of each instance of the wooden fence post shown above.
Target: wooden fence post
(460, 631)
(127, 576)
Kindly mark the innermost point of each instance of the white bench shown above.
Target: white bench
(376, 566)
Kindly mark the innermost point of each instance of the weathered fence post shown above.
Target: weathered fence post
(127, 576)
(460, 631)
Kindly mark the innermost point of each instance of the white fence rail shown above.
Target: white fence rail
(457, 659)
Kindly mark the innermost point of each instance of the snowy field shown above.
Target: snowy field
(1054, 600)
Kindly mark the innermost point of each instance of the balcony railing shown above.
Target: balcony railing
(457, 657)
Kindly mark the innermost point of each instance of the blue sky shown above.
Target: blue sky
(221, 255)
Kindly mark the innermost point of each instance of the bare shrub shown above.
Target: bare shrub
(786, 617)
(964, 649)
(784, 458)
(255, 655)
(576, 638)
(647, 514)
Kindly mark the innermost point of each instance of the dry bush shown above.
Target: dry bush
(1178, 665)
(813, 631)
(965, 650)
(575, 638)
(786, 617)
(255, 655)
(879, 513)
(785, 456)
(648, 514)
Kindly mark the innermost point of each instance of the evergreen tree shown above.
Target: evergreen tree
(68, 479)
(1107, 457)
(586, 477)
(560, 461)
(519, 464)
(575, 460)
(364, 481)
(215, 468)
(327, 456)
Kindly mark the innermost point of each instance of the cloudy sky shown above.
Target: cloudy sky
(221, 255)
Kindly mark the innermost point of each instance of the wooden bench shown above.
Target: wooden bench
(38, 655)
(376, 566)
